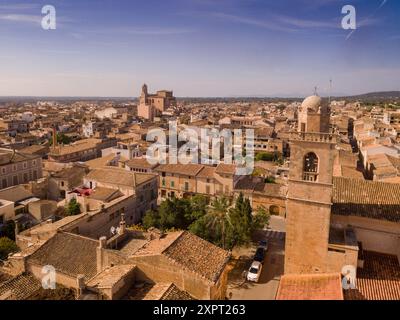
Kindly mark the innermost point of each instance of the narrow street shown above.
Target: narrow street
(266, 288)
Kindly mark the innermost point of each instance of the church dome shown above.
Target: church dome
(312, 104)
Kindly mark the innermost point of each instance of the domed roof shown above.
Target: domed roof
(312, 102)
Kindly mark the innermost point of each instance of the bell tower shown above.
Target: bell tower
(309, 196)
(143, 95)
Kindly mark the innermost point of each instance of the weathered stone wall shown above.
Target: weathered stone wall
(158, 268)
(375, 235)
(307, 234)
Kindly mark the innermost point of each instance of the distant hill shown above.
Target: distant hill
(375, 96)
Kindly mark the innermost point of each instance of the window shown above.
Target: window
(163, 182)
(25, 178)
(186, 186)
(15, 180)
(172, 184)
(14, 167)
(208, 189)
(3, 170)
(4, 183)
(310, 168)
(25, 165)
(34, 162)
(34, 174)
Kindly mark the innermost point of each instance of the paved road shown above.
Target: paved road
(267, 286)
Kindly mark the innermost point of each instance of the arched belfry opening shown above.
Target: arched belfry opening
(310, 168)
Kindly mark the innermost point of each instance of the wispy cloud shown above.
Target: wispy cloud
(305, 23)
(383, 3)
(140, 31)
(28, 18)
(157, 31)
(267, 24)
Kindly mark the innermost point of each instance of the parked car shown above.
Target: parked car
(254, 271)
(259, 255)
(263, 244)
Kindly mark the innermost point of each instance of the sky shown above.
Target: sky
(198, 48)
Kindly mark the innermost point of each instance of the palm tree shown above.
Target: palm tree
(218, 216)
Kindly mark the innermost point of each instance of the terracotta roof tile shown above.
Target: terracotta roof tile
(119, 176)
(226, 168)
(370, 199)
(198, 255)
(69, 254)
(206, 172)
(379, 279)
(190, 169)
(310, 287)
(20, 287)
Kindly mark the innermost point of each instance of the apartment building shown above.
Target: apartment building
(17, 168)
(82, 150)
(177, 180)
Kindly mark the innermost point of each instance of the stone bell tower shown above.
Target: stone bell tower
(310, 190)
(143, 95)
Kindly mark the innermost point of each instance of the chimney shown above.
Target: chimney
(16, 230)
(122, 225)
(100, 254)
(80, 285)
(155, 234)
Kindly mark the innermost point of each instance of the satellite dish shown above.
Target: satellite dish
(112, 230)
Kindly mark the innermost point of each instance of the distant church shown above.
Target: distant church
(153, 105)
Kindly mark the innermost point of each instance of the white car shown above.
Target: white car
(254, 272)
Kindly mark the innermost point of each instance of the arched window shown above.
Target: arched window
(310, 169)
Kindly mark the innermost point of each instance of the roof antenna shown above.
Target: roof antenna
(330, 90)
(315, 91)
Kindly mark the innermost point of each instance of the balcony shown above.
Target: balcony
(313, 137)
(310, 176)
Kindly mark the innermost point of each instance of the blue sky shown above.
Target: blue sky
(198, 47)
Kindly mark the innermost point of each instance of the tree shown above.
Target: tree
(270, 179)
(61, 139)
(176, 213)
(261, 218)
(8, 230)
(151, 219)
(198, 204)
(7, 246)
(73, 208)
(265, 156)
(241, 216)
(218, 219)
